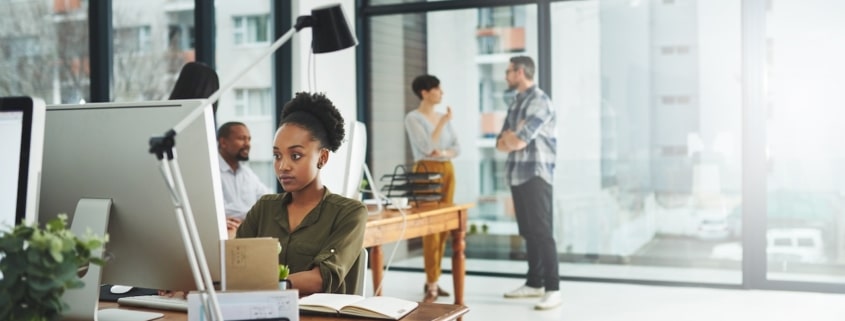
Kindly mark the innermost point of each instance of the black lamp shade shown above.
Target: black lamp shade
(329, 31)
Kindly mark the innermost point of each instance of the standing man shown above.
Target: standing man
(528, 136)
(241, 187)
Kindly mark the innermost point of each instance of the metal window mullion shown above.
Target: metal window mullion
(544, 45)
(204, 32)
(100, 47)
(754, 163)
(282, 59)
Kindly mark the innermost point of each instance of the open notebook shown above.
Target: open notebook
(379, 307)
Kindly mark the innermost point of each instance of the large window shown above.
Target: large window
(648, 148)
(649, 163)
(693, 145)
(805, 225)
(472, 80)
(244, 30)
(147, 54)
(44, 50)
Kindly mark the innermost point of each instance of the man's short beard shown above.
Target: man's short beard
(241, 158)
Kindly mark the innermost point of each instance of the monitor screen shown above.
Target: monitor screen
(100, 151)
(21, 129)
(343, 172)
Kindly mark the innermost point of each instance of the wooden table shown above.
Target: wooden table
(425, 312)
(386, 227)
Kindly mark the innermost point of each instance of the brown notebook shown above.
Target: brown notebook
(250, 264)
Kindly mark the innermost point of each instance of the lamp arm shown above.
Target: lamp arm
(216, 95)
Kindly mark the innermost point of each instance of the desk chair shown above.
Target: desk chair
(357, 276)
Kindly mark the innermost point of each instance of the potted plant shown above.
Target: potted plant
(38, 265)
(284, 283)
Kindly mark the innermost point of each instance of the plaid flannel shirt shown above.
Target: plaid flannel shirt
(533, 109)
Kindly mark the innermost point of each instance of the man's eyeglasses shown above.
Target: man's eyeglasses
(509, 70)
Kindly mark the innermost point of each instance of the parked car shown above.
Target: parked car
(712, 223)
(713, 228)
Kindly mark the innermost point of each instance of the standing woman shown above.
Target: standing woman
(321, 233)
(433, 144)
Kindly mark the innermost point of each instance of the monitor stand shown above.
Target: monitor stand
(93, 215)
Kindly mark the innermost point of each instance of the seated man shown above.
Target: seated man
(241, 187)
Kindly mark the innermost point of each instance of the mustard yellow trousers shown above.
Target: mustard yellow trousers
(435, 244)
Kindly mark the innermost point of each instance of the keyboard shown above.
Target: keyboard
(155, 302)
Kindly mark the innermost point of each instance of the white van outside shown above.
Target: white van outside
(803, 245)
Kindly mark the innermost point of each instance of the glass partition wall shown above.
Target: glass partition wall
(649, 184)
(650, 141)
(468, 50)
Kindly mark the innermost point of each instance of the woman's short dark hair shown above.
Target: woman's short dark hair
(424, 82)
(318, 115)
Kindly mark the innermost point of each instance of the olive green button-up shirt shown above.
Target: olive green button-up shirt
(331, 236)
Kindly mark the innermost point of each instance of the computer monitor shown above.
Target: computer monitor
(100, 151)
(342, 173)
(21, 140)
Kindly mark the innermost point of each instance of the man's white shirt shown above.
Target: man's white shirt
(241, 189)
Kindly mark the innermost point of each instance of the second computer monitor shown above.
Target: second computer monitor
(22, 132)
(100, 151)
(342, 173)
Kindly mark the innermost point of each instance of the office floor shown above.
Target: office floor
(624, 302)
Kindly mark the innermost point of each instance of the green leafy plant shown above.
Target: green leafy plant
(284, 271)
(39, 264)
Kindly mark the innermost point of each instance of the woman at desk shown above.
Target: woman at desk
(321, 233)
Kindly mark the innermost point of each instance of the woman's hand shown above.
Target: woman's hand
(447, 116)
(171, 294)
(440, 153)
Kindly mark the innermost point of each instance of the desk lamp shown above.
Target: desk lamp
(330, 32)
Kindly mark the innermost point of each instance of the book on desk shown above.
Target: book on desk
(378, 307)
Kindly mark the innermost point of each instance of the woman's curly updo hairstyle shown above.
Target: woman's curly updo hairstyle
(316, 114)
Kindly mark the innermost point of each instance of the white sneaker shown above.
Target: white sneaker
(525, 291)
(550, 300)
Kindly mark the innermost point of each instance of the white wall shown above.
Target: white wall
(334, 72)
